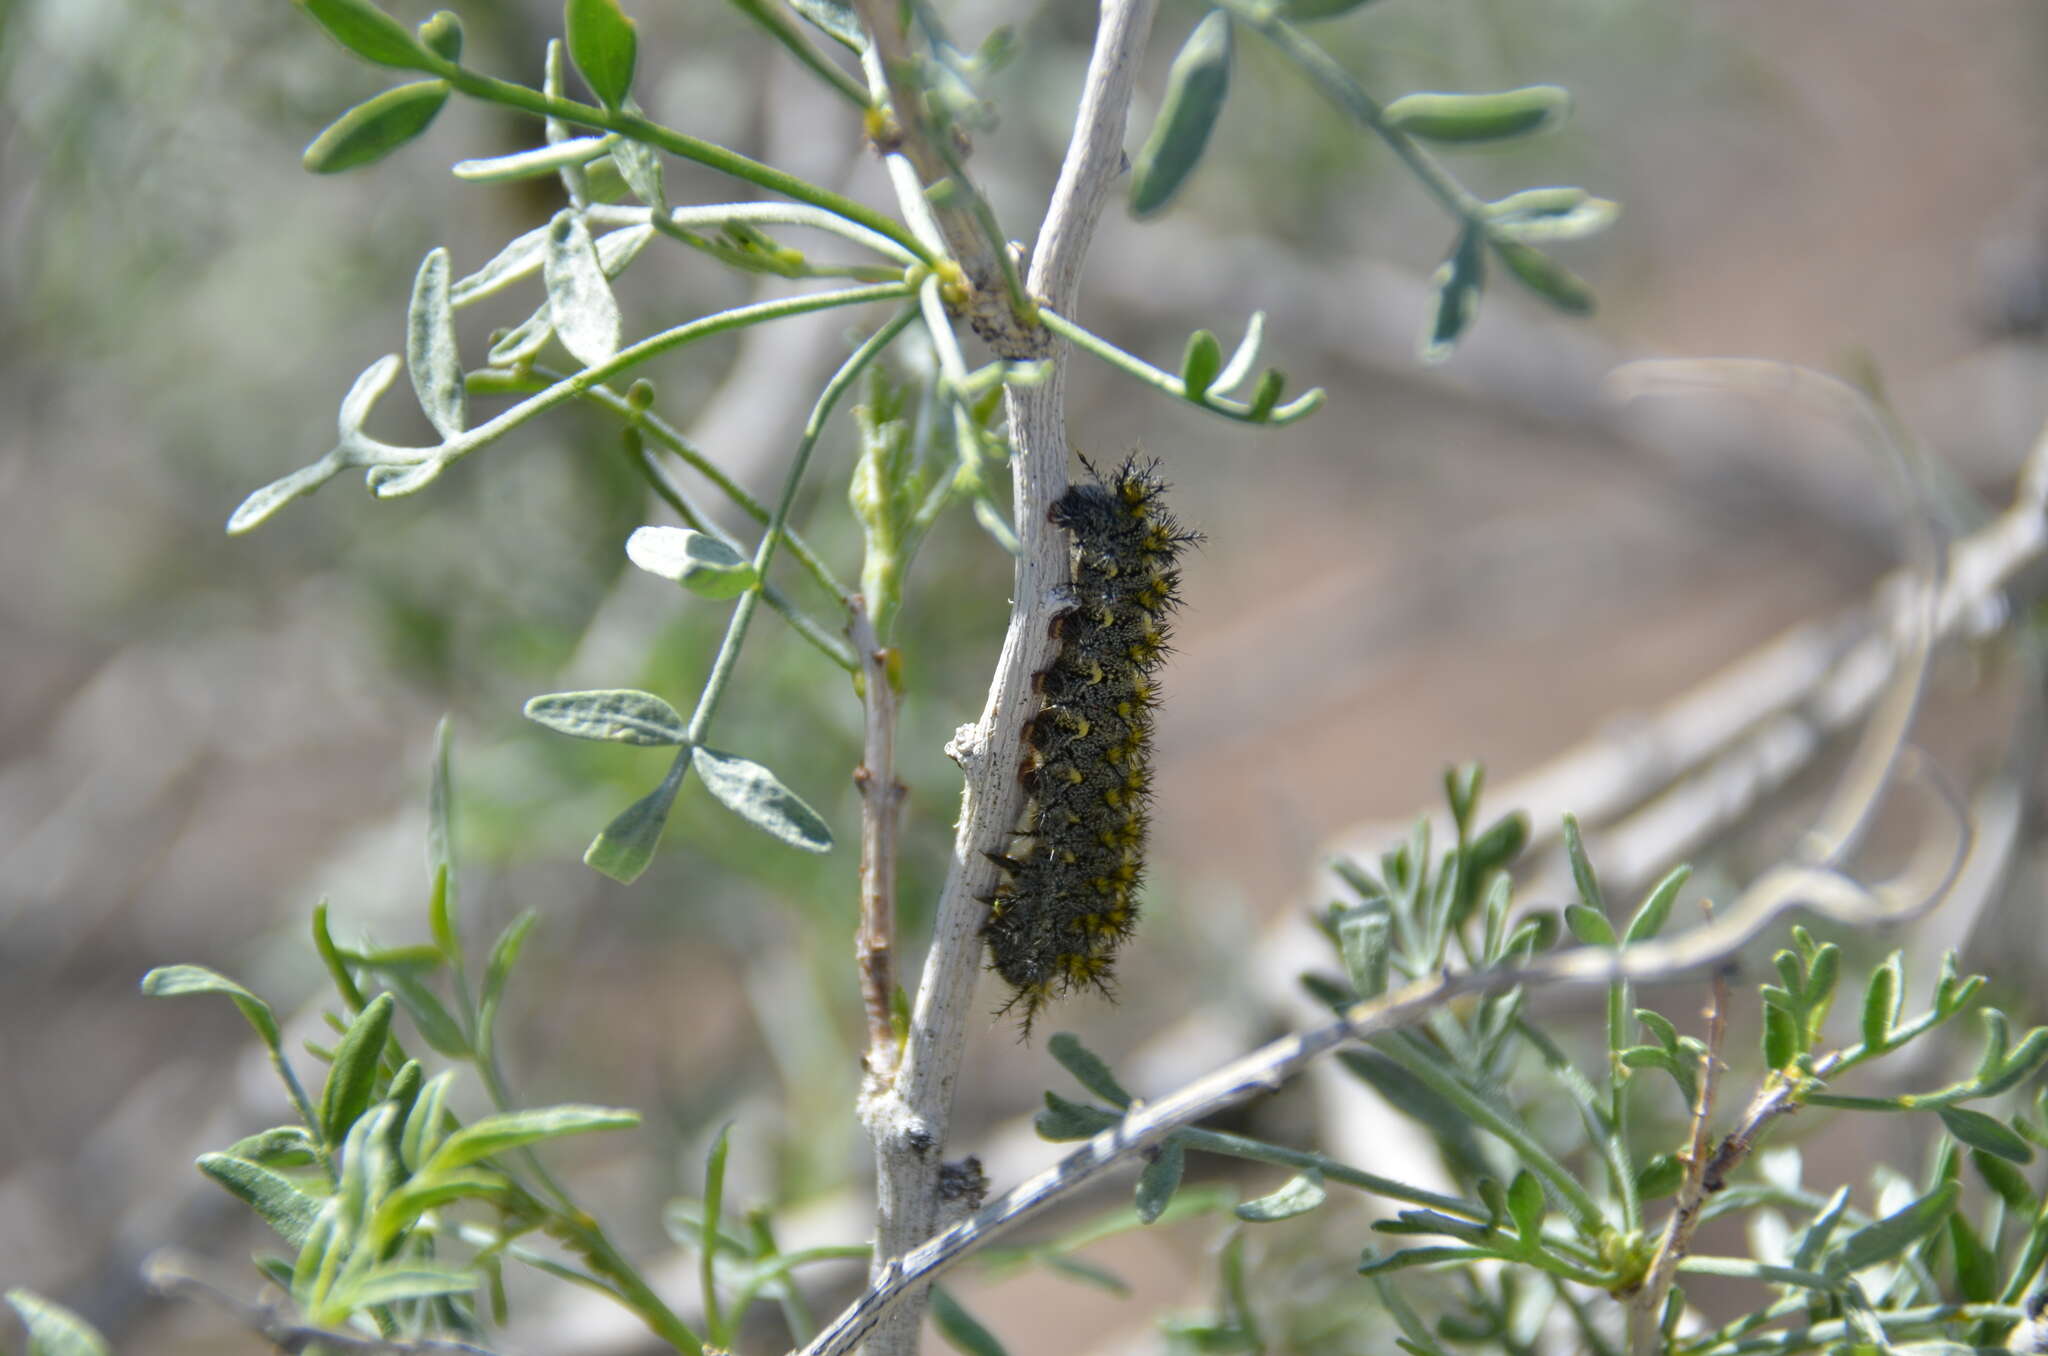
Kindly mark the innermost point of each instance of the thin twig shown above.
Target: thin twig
(908, 1119)
(178, 1276)
(1646, 1306)
(881, 799)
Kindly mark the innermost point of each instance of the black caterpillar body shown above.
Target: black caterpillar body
(1069, 894)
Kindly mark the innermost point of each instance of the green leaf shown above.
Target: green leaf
(1545, 277)
(431, 355)
(601, 43)
(1892, 1235)
(1781, 1041)
(1980, 1131)
(284, 1145)
(425, 1123)
(1087, 1068)
(960, 1329)
(616, 715)
(1195, 89)
(1502, 842)
(1199, 364)
(1881, 1002)
(515, 1129)
(1582, 870)
(1160, 1179)
(1265, 396)
(536, 163)
(173, 981)
(437, 1026)
(1525, 1205)
(54, 1330)
(403, 1281)
(1067, 1120)
(1660, 1028)
(754, 794)
(370, 33)
(2008, 1182)
(272, 1195)
(1366, 941)
(376, 127)
(1463, 119)
(581, 307)
(441, 911)
(624, 847)
(497, 971)
(1590, 926)
(441, 34)
(1660, 1176)
(352, 1082)
(1656, 910)
(1300, 1194)
(1976, 1267)
(836, 19)
(2021, 1062)
(1458, 282)
(698, 561)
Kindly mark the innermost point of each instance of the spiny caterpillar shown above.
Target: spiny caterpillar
(1068, 898)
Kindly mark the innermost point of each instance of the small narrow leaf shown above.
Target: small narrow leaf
(836, 19)
(624, 847)
(272, 1195)
(1980, 1131)
(1266, 395)
(581, 307)
(1545, 277)
(2007, 1181)
(370, 33)
(1467, 118)
(441, 34)
(1881, 1002)
(173, 981)
(351, 1083)
(376, 127)
(1063, 1119)
(1301, 1193)
(1195, 89)
(640, 166)
(441, 913)
(1525, 1205)
(1589, 925)
(1458, 282)
(497, 971)
(1588, 216)
(431, 355)
(1976, 1266)
(1659, 1177)
(1087, 1068)
(1656, 910)
(406, 1281)
(602, 41)
(541, 160)
(1160, 1179)
(1582, 868)
(515, 1129)
(1366, 941)
(1200, 364)
(1892, 1235)
(1780, 1040)
(960, 1329)
(755, 794)
(54, 1330)
(615, 715)
(519, 259)
(698, 561)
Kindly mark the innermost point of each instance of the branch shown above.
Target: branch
(881, 800)
(908, 1119)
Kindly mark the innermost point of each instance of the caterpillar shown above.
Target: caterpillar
(1068, 898)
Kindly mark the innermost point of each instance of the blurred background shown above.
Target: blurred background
(201, 738)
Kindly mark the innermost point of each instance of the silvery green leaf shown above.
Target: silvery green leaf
(172, 981)
(1160, 1179)
(1087, 1068)
(532, 164)
(351, 1082)
(640, 166)
(54, 1330)
(517, 260)
(836, 19)
(1299, 1195)
(402, 1281)
(514, 1129)
(1466, 118)
(580, 302)
(369, 388)
(258, 507)
(616, 715)
(699, 562)
(755, 794)
(431, 355)
(395, 482)
(272, 1195)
